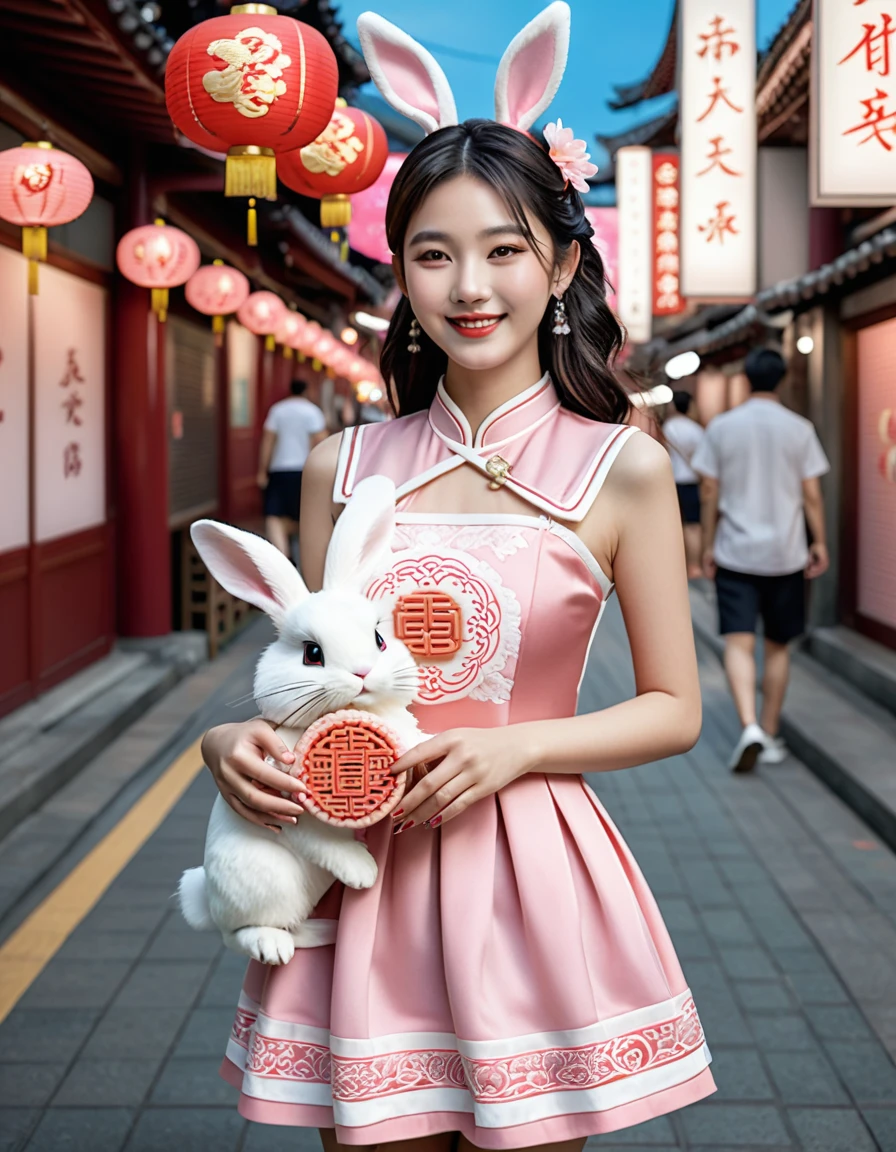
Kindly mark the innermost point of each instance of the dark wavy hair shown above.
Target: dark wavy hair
(530, 183)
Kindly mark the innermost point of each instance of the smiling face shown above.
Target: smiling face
(475, 282)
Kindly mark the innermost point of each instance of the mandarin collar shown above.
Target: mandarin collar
(511, 419)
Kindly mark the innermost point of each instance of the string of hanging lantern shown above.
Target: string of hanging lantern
(251, 84)
(347, 157)
(217, 290)
(40, 188)
(159, 257)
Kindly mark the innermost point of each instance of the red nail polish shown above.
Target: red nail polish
(400, 812)
(403, 827)
(435, 822)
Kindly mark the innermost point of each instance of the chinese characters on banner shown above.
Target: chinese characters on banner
(14, 529)
(717, 50)
(70, 397)
(853, 138)
(667, 298)
(634, 293)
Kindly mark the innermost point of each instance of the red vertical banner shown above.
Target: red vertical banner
(666, 269)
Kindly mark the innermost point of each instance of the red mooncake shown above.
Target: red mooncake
(343, 769)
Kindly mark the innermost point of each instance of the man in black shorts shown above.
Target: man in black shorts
(292, 428)
(760, 465)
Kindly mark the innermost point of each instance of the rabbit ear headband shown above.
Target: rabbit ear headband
(410, 79)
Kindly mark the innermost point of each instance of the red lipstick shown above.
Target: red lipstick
(475, 325)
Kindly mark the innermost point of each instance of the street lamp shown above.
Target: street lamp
(805, 344)
(685, 364)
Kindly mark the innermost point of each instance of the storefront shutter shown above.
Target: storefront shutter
(192, 422)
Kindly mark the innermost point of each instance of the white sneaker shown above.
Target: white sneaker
(775, 750)
(746, 751)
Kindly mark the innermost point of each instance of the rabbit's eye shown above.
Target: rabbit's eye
(314, 654)
(380, 642)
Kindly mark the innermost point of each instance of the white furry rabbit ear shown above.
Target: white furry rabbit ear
(532, 67)
(249, 567)
(361, 545)
(407, 76)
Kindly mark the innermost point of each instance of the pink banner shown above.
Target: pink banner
(13, 400)
(877, 473)
(605, 222)
(367, 230)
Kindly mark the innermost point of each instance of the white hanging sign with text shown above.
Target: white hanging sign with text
(853, 103)
(634, 297)
(717, 54)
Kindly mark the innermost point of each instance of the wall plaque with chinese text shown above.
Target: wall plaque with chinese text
(717, 51)
(852, 143)
(70, 403)
(13, 400)
(634, 293)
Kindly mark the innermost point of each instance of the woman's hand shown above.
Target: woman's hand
(235, 755)
(468, 764)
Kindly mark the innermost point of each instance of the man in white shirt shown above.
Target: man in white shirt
(761, 465)
(683, 436)
(292, 428)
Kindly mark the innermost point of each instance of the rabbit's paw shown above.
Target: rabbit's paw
(356, 867)
(269, 945)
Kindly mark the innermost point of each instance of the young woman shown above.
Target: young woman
(508, 982)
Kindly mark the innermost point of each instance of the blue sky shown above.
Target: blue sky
(613, 42)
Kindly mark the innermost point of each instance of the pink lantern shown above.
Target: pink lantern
(216, 290)
(262, 313)
(367, 231)
(341, 358)
(325, 347)
(41, 187)
(159, 257)
(310, 337)
(290, 332)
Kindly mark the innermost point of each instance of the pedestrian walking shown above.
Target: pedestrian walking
(761, 465)
(292, 428)
(508, 981)
(683, 435)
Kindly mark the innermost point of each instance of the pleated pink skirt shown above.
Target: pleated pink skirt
(509, 977)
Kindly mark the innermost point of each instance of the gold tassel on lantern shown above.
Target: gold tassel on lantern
(270, 343)
(287, 352)
(335, 211)
(160, 303)
(34, 247)
(251, 171)
(252, 226)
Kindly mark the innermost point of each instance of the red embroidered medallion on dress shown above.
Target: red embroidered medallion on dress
(429, 623)
(343, 769)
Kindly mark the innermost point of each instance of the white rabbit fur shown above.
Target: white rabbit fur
(257, 886)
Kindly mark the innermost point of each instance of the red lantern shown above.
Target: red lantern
(290, 332)
(251, 84)
(216, 290)
(159, 257)
(325, 347)
(348, 156)
(341, 359)
(262, 313)
(41, 187)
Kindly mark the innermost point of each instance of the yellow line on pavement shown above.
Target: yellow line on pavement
(36, 941)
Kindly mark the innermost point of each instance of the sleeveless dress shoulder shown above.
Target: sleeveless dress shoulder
(509, 976)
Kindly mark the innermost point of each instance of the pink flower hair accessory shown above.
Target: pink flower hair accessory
(569, 155)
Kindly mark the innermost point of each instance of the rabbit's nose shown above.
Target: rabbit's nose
(362, 672)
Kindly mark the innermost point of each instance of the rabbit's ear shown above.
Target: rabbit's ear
(406, 74)
(532, 67)
(249, 567)
(361, 545)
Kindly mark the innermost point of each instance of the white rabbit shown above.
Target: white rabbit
(334, 649)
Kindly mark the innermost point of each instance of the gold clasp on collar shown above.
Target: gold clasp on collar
(497, 468)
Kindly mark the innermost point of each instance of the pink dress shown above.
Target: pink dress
(509, 976)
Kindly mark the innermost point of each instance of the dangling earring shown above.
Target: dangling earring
(561, 327)
(414, 333)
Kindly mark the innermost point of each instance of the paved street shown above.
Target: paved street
(781, 902)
